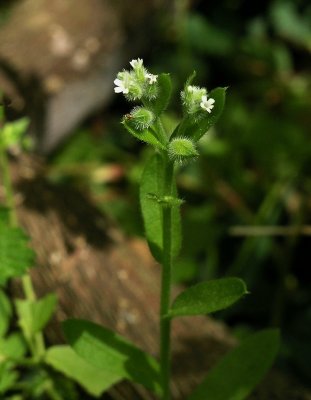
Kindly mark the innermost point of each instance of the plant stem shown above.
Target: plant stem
(165, 323)
(8, 186)
(37, 346)
(161, 131)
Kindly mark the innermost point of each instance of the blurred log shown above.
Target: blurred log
(58, 58)
(99, 274)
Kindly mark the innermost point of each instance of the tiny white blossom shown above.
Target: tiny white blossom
(151, 78)
(207, 105)
(137, 63)
(120, 86)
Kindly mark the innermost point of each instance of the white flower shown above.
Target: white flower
(207, 105)
(137, 63)
(151, 78)
(120, 86)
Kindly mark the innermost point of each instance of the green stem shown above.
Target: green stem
(37, 347)
(165, 323)
(7, 185)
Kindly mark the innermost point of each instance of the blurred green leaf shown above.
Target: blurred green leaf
(290, 24)
(7, 377)
(112, 353)
(208, 297)
(238, 372)
(12, 347)
(12, 132)
(92, 379)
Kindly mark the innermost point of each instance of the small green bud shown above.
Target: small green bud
(182, 149)
(166, 201)
(142, 118)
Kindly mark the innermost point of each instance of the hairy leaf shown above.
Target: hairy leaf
(208, 297)
(165, 89)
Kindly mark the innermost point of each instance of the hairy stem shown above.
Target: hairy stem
(165, 323)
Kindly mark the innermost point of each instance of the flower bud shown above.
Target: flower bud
(142, 118)
(182, 149)
(191, 98)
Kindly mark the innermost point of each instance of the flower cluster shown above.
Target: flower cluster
(136, 83)
(195, 99)
(153, 92)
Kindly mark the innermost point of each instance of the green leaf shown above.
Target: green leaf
(34, 315)
(190, 79)
(5, 313)
(15, 255)
(112, 353)
(238, 372)
(12, 132)
(208, 297)
(7, 377)
(4, 215)
(93, 380)
(151, 187)
(12, 347)
(165, 89)
(145, 135)
(197, 129)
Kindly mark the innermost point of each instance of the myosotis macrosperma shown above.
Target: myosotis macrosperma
(160, 207)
